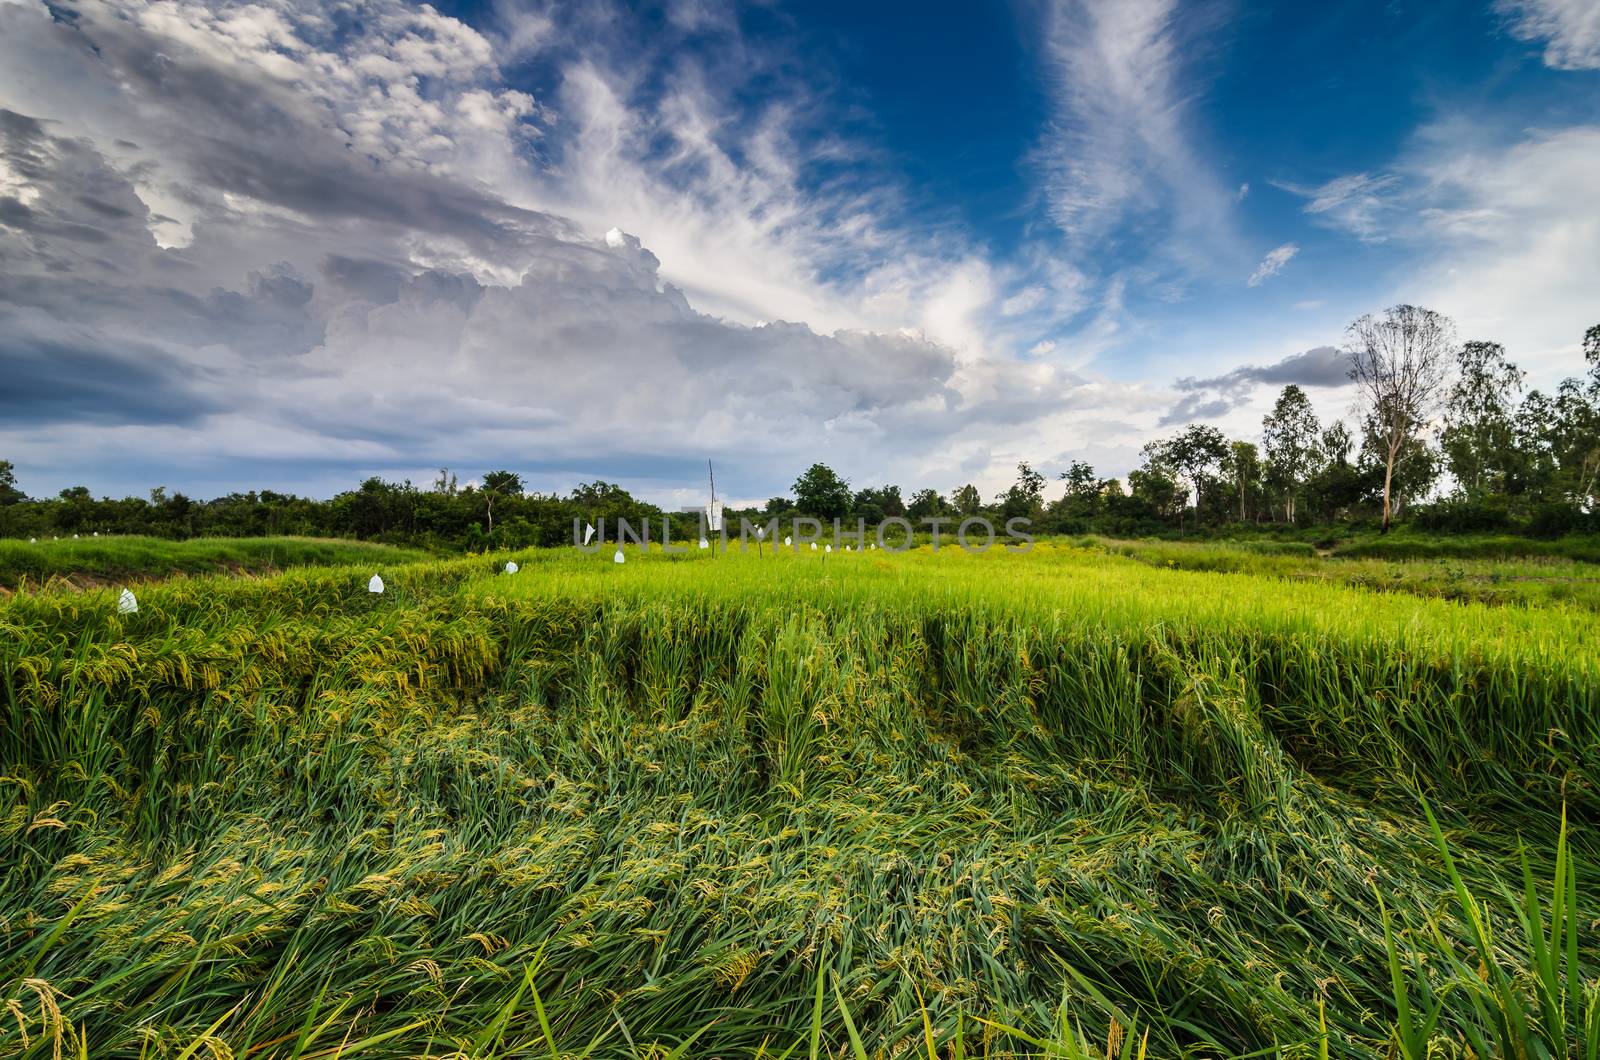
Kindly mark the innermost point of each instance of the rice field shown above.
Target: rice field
(1056, 804)
(85, 562)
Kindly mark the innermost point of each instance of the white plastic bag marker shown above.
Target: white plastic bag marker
(511, 567)
(785, 540)
(828, 549)
(97, 533)
(704, 543)
(588, 532)
(761, 532)
(813, 546)
(375, 585)
(618, 558)
(126, 603)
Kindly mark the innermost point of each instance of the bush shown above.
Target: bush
(1557, 518)
(1461, 516)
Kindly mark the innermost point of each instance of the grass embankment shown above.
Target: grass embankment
(1417, 544)
(87, 562)
(1532, 580)
(514, 815)
(1406, 541)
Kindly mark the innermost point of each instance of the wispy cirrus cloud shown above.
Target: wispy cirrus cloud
(730, 161)
(1569, 29)
(1497, 231)
(1272, 264)
(1119, 146)
(1356, 203)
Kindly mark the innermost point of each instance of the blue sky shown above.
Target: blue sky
(283, 245)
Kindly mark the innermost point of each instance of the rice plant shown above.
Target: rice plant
(1054, 804)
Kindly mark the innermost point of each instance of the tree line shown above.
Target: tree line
(496, 513)
(1431, 413)
(1434, 417)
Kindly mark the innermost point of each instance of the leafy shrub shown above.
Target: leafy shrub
(1461, 516)
(1554, 519)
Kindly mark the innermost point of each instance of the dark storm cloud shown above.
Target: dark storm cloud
(87, 228)
(90, 202)
(269, 319)
(17, 215)
(339, 188)
(248, 136)
(1321, 366)
(377, 282)
(83, 378)
(1195, 407)
(21, 138)
(1318, 366)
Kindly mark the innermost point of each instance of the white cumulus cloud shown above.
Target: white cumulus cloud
(247, 243)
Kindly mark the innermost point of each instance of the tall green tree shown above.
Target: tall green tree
(499, 484)
(1080, 479)
(1082, 497)
(9, 491)
(1025, 497)
(926, 502)
(967, 500)
(1290, 434)
(822, 493)
(876, 505)
(1338, 485)
(1242, 470)
(1536, 428)
(1575, 439)
(1406, 474)
(1558, 437)
(1479, 435)
(1399, 362)
(1335, 443)
(1191, 455)
(1155, 488)
(1589, 472)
